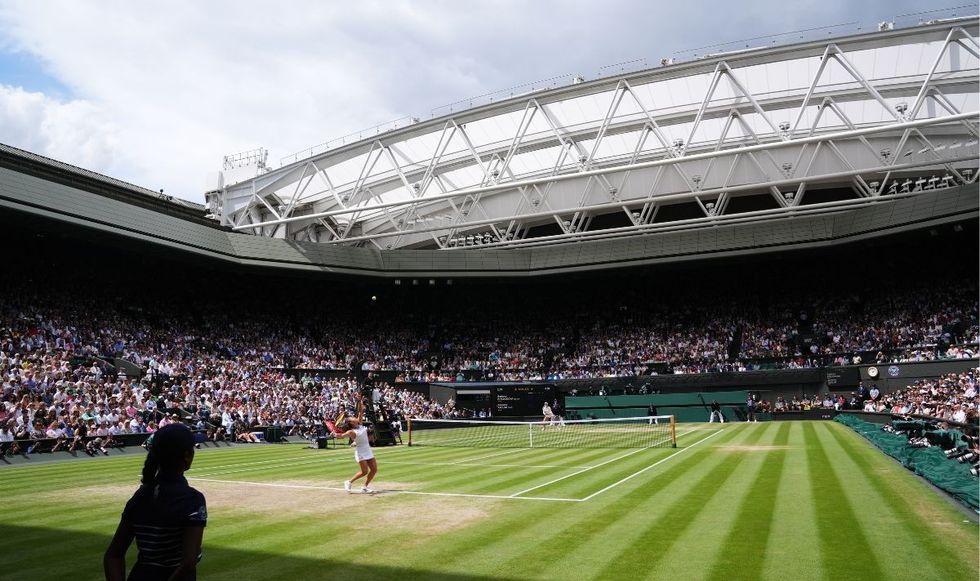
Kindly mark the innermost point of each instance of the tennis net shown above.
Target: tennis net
(638, 432)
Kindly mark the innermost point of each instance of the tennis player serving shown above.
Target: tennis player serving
(355, 428)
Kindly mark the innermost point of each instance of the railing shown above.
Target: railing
(349, 138)
(884, 417)
(639, 64)
(77, 447)
(46, 445)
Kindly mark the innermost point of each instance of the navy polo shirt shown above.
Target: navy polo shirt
(159, 520)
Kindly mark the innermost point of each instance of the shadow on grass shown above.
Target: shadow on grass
(48, 553)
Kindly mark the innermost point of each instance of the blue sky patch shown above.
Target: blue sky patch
(21, 69)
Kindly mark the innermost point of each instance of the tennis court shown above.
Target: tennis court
(541, 474)
(808, 499)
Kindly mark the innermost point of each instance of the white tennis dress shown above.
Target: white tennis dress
(362, 446)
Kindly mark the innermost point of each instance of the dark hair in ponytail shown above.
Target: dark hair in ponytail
(150, 467)
(166, 454)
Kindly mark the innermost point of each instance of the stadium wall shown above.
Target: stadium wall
(685, 407)
(779, 381)
(773, 383)
(894, 376)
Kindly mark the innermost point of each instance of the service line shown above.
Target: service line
(657, 463)
(593, 467)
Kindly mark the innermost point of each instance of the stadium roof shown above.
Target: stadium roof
(73, 206)
(810, 145)
(58, 171)
(626, 155)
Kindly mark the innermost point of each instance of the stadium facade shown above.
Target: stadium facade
(806, 145)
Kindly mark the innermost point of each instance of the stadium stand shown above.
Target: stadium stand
(952, 397)
(118, 347)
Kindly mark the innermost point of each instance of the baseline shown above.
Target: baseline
(415, 492)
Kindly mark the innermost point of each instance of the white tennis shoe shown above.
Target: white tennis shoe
(347, 485)
(366, 490)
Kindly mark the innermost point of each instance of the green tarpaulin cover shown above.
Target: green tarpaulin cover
(930, 463)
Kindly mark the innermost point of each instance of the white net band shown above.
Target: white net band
(639, 432)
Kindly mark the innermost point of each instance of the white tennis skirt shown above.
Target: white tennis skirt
(365, 455)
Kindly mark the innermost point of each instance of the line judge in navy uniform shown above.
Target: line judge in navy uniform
(166, 516)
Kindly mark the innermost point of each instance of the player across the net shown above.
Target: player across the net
(637, 432)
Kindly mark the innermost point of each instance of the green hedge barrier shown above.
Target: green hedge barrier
(930, 463)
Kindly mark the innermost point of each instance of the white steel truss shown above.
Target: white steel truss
(873, 118)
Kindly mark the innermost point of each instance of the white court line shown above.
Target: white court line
(576, 473)
(493, 496)
(310, 487)
(489, 456)
(290, 461)
(386, 462)
(657, 463)
(304, 460)
(301, 456)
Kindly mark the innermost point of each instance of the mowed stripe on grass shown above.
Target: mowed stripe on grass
(740, 557)
(892, 518)
(807, 500)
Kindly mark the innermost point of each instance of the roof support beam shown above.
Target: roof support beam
(500, 187)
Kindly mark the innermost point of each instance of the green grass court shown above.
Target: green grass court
(786, 500)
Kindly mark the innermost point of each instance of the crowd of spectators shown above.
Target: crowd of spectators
(56, 397)
(952, 397)
(229, 360)
(678, 338)
(60, 391)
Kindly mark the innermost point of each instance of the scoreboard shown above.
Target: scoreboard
(521, 399)
(843, 378)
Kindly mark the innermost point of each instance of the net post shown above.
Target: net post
(409, 421)
(673, 431)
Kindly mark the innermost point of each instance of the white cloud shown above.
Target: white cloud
(160, 91)
(75, 131)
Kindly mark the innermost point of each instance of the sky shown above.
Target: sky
(156, 93)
